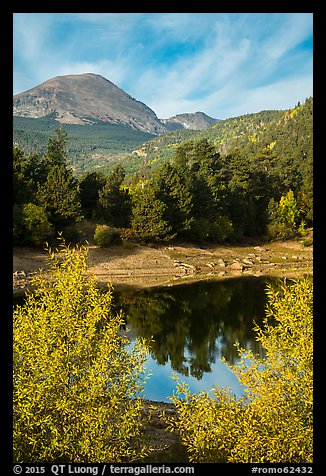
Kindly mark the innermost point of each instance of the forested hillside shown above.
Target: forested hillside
(262, 187)
(100, 147)
(224, 135)
(283, 132)
(89, 147)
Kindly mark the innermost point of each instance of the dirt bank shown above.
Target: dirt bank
(144, 266)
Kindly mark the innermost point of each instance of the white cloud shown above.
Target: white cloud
(30, 34)
(293, 30)
(192, 80)
(236, 73)
(279, 95)
(172, 62)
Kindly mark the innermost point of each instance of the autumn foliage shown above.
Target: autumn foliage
(76, 384)
(273, 421)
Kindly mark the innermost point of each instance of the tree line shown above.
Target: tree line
(89, 144)
(200, 195)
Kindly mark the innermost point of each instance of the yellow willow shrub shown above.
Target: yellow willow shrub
(272, 422)
(76, 385)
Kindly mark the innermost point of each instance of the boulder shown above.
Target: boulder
(248, 261)
(236, 266)
(259, 248)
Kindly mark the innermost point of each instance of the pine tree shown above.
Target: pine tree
(59, 197)
(148, 216)
(89, 187)
(56, 153)
(114, 200)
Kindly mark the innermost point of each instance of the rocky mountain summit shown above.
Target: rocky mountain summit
(90, 99)
(86, 99)
(197, 121)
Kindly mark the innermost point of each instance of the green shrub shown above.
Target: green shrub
(279, 231)
(218, 229)
(285, 220)
(31, 224)
(128, 245)
(200, 230)
(221, 229)
(105, 236)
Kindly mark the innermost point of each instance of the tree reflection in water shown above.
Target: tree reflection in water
(193, 325)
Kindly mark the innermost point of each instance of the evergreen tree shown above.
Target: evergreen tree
(20, 176)
(200, 167)
(172, 188)
(148, 216)
(115, 201)
(89, 187)
(307, 187)
(59, 197)
(28, 172)
(56, 152)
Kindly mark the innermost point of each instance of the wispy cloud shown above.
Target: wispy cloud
(174, 62)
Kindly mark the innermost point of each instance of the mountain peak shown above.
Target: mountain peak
(84, 99)
(189, 120)
(90, 98)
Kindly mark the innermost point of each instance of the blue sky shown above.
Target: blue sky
(224, 64)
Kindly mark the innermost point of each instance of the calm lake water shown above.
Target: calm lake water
(193, 326)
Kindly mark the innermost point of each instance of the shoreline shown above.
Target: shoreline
(138, 266)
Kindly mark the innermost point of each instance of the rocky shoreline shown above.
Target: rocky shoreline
(165, 447)
(145, 266)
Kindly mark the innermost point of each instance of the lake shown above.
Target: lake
(193, 326)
